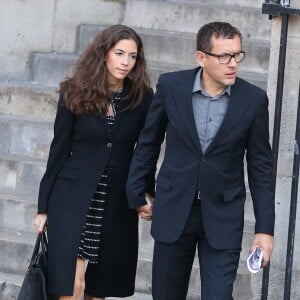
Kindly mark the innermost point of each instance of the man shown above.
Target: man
(211, 119)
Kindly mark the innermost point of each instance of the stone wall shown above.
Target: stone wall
(39, 42)
(48, 25)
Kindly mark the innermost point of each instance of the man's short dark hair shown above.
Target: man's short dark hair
(216, 29)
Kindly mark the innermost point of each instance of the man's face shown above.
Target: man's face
(216, 75)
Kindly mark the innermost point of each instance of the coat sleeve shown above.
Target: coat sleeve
(260, 170)
(145, 158)
(150, 179)
(60, 149)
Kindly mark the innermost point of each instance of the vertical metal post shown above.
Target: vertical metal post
(286, 3)
(293, 209)
(276, 128)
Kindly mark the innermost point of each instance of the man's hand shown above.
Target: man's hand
(265, 242)
(145, 211)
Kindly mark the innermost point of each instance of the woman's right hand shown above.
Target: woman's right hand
(40, 222)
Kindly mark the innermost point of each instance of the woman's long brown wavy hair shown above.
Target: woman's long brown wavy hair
(86, 91)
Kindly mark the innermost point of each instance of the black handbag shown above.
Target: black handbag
(34, 286)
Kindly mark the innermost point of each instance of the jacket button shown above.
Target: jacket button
(203, 159)
(194, 184)
(109, 145)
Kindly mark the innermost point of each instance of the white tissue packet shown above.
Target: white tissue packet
(254, 260)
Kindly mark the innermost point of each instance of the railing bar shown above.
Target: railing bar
(293, 209)
(276, 128)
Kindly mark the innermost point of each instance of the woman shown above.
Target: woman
(92, 234)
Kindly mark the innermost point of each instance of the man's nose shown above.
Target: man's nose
(232, 62)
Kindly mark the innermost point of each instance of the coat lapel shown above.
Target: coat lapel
(236, 109)
(183, 101)
(119, 118)
(121, 109)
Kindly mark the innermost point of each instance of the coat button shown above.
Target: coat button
(108, 145)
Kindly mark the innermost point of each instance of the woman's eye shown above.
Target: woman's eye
(134, 56)
(118, 53)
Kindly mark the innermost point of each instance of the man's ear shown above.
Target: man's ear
(200, 58)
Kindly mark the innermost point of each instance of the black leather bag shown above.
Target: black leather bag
(34, 286)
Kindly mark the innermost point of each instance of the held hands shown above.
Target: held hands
(265, 242)
(145, 211)
(40, 222)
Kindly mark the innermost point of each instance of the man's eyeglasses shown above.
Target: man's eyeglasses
(226, 57)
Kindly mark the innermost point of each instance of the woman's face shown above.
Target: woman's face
(120, 60)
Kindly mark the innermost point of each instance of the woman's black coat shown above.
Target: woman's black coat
(79, 152)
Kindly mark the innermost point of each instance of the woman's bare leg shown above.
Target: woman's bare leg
(79, 282)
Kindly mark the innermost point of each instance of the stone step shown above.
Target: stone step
(136, 296)
(16, 250)
(50, 77)
(171, 46)
(244, 3)
(10, 286)
(28, 100)
(155, 69)
(20, 244)
(51, 68)
(183, 16)
(165, 51)
(17, 213)
(26, 137)
(20, 175)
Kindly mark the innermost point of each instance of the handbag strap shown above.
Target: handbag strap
(44, 242)
(41, 242)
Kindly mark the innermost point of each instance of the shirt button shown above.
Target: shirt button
(108, 145)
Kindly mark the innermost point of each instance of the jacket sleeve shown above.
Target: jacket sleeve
(143, 165)
(150, 179)
(60, 149)
(260, 170)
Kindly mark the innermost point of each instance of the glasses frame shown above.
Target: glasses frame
(232, 56)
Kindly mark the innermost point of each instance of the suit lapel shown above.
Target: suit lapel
(236, 109)
(183, 101)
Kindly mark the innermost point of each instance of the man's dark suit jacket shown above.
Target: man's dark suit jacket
(218, 173)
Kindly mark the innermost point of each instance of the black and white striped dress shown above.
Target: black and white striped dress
(90, 242)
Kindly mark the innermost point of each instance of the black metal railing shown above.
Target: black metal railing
(293, 209)
(282, 8)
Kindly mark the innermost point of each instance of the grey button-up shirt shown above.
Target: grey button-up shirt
(208, 111)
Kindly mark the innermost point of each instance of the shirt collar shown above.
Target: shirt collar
(197, 85)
